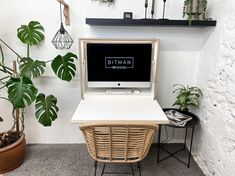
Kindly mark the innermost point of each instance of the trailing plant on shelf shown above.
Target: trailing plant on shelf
(187, 96)
(19, 86)
(109, 2)
(194, 9)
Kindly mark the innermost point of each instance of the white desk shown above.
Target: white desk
(119, 108)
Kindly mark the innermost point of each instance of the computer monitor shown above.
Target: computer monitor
(118, 64)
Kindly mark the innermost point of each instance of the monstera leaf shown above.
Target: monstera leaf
(46, 109)
(21, 91)
(31, 34)
(31, 68)
(64, 67)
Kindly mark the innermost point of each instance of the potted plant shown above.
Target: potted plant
(194, 9)
(17, 82)
(187, 96)
(109, 2)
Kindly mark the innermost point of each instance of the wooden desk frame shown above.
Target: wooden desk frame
(99, 107)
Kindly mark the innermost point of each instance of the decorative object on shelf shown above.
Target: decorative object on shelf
(163, 11)
(20, 91)
(187, 96)
(195, 9)
(127, 15)
(62, 39)
(146, 8)
(153, 7)
(109, 2)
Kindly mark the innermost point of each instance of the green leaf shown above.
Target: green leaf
(30, 68)
(46, 109)
(31, 34)
(1, 119)
(21, 92)
(193, 102)
(64, 67)
(1, 56)
(181, 88)
(176, 103)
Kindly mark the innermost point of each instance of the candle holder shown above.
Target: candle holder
(153, 7)
(163, 13)
(146, 7)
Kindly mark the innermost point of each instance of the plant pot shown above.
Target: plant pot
(195, 8)
(12, 156)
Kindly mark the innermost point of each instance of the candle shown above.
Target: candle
(153, 5)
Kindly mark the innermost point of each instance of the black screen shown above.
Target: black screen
(119, 62)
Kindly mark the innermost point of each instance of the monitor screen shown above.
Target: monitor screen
(119, 64)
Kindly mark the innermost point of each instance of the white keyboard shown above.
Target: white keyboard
(118, 92)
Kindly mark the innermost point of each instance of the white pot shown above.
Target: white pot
(197, 8)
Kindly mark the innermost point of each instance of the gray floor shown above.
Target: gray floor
(73, 160)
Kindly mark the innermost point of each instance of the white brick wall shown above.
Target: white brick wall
(214, 142)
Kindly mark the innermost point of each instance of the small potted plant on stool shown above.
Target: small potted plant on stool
(187, 96)
(181, 118)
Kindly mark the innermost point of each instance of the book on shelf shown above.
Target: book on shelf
(176, 118)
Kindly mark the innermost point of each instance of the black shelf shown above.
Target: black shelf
(147, 22)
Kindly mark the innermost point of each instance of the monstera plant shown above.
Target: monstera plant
(18, 83)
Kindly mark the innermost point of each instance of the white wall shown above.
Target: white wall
(179, 53)
(214, 139)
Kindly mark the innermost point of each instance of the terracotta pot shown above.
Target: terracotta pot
(12, 156)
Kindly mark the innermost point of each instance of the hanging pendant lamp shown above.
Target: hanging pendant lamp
(62, 39)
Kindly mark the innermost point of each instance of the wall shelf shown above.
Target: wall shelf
(147, 22)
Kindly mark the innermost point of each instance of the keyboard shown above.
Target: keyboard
(118, 92)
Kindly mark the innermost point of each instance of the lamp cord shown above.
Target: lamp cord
(60, 13)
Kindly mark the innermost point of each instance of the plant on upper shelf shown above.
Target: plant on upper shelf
(19, 86)
(187, 96)
(109, 2)
(194, 9)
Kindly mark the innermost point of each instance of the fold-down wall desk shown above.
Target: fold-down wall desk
(119, 109)
(138, 107)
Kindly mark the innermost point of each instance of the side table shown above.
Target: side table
(190, 124)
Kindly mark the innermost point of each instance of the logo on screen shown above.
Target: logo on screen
(119, 62)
